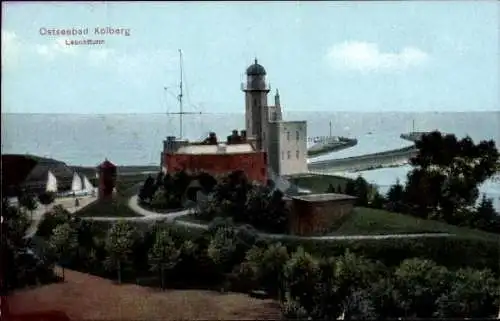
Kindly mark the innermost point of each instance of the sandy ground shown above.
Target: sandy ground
(83, 296)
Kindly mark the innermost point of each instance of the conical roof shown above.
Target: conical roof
(107, 164)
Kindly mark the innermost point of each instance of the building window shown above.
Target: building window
(297, 154)
(289, 155)
(297, 135)
(287, 135)
(282, 155)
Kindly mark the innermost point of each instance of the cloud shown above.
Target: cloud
(11, 49)
(57, 47)
(133, 66)
(367, 57)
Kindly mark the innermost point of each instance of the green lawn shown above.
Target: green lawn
(367, 221)
(126, 186)
(115, 208)
(371, 221)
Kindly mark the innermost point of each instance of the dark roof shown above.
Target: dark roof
(327, 197)
(256, 70)
(107, 164)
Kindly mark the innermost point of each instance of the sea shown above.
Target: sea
(137, 139)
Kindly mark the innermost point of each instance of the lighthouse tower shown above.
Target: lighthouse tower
(256, 108)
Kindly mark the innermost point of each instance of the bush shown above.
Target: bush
(452, 252)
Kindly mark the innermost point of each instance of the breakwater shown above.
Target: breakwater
(396, 157)
(331, 144)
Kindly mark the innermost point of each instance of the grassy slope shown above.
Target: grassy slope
(126, 186)
(371, 221)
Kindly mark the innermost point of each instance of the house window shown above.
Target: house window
(289, 155)
(287, 135)
(297, 135)
(297, 154)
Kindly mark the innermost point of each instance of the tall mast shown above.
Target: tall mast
(181, 113)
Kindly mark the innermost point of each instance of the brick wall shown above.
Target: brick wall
(253, 164)
(315, 218)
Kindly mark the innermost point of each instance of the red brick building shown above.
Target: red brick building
(317, 214)
(107, 179)
(216, 158)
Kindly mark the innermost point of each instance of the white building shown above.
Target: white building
(284, 141)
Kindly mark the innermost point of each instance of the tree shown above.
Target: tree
(64, 243)
(147, 190)
(207, 182)
(378, 201)
(350, 188)
(485, 216)
(472, 295)
(46, 198)
(395, 198)
(163, 255)
(119, 243)
(330, 189)
(419, 283)
(446, 175)
(56, 216)
(265, 266)
(301, 274)
(222, 249)
(361, 191)
(21, 265)
(28, 201)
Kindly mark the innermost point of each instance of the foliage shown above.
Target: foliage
(419, 283)
(485, 217)
(28, 201)
(377, 201)
(446, 174)
(301, 273)
(164, 254)
(330, 189)
(46, 198)
(472, 295)
(147, 190)
(395, 198)
(21, 265)
(264, 267)
(64, 242)
(57, 216)
(119, 244)
(361, 191)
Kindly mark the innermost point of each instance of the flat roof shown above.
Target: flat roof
(216, 149)
(327, 197)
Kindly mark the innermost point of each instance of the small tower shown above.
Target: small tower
(256, 114)
(107, 179)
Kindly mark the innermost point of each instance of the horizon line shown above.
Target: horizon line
(242, 112)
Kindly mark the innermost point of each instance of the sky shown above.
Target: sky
(322, 56)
